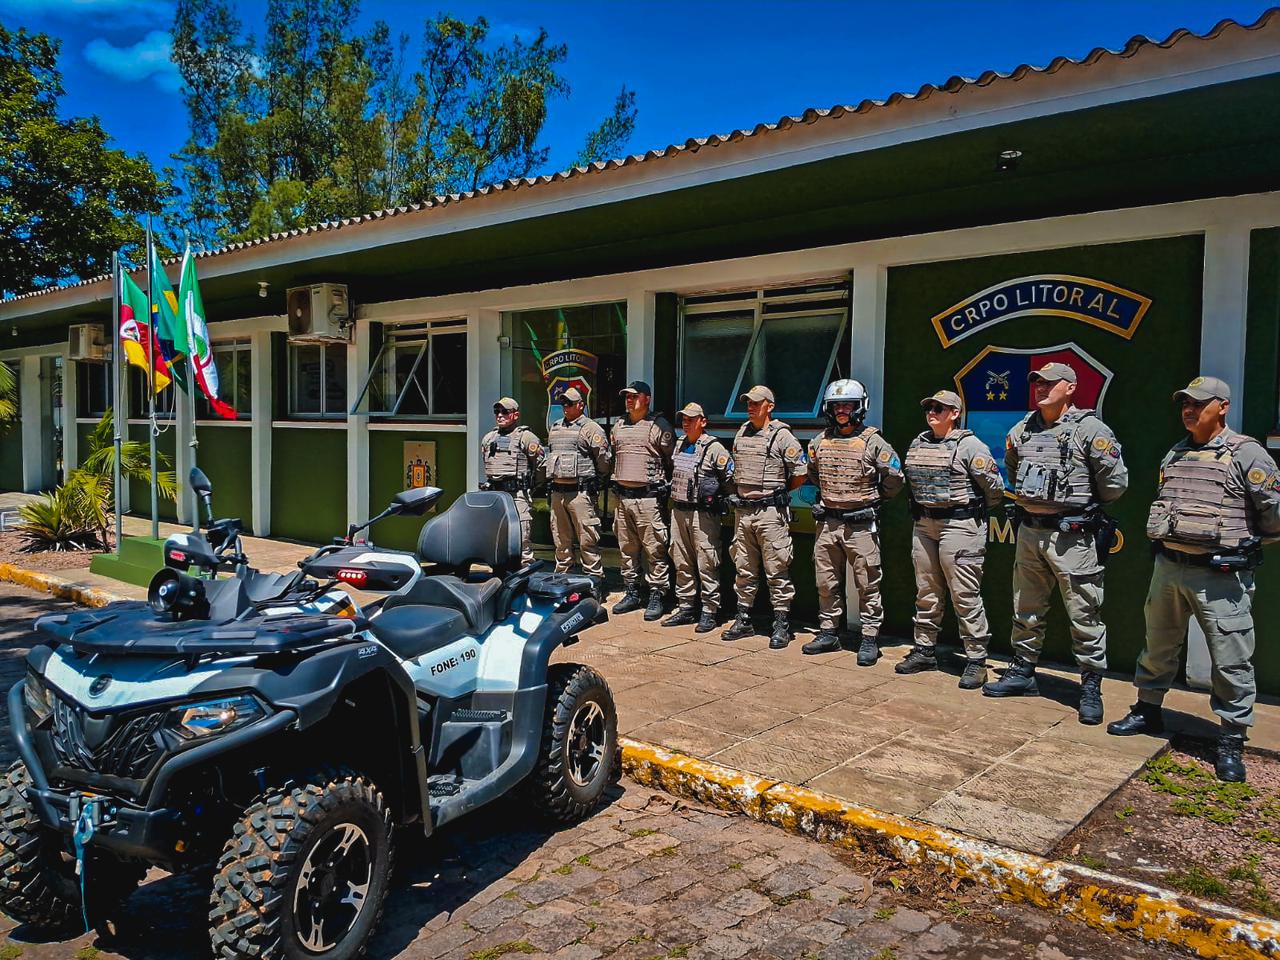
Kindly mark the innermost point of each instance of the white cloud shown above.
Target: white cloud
(148, 58)
(123, 11)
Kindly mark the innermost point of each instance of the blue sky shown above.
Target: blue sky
(697, 67)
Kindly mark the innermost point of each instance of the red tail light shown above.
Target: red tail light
(357, 578)
(178, 555)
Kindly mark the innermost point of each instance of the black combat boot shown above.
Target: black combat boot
(706, 622)
(599, 589)
(1142, 718)
(1090, 697)
(781, 635)
(631, 600)
(656, 606)
(827, 641)
(741, 627)
(1230, 763)
(918, 660)
(868, 652)
(1018, 681)
(681, 618)
(975, 674)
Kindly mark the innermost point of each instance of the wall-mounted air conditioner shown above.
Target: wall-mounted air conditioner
(319, 313)
(86, 341)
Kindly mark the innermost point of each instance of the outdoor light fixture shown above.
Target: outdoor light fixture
(1007, 161)
(262, 288)
(504, 342)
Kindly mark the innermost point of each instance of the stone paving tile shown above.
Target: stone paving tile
(665, 698)
(822, 738)
(880, 792)
(771, 760)
(1069, 758)
(996, 821)
(767, 663)
(1052, 796)
(703, 652)
(742, 717)
(685, 737)
(918, 759)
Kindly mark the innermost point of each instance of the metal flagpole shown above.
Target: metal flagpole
(152, 316)
(117, 407)
(193, 443)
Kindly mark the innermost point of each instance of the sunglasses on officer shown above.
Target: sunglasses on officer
(937, 408)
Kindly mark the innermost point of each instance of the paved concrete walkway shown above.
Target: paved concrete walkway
(1020, 772)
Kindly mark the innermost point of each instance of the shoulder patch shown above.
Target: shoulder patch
(722, 460)
(792, 451)
(534, 446)
(1101, 444)
(980, 463)
(885, 456)
(1257, 475)
(668, 436)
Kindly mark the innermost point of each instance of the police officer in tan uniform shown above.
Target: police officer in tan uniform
(1065, 465)
(701, 468)
(953, 481)
(768, 464)
(1219, 496)
(513, 461)
(642, 448)
(578, 460)
(855, 470)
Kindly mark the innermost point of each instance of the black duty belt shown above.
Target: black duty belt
(636, 493)
(689, 507)
(861, 515)
(508, 484)
(1062, 522)
(1226, 561)
(573, 486)
(968, 511)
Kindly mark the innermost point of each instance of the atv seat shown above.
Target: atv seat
(476, 600)
(410, 630)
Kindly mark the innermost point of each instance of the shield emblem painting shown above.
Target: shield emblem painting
(996, 394)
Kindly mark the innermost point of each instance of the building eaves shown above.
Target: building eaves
(694, 145)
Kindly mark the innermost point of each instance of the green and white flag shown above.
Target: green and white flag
(198, 350)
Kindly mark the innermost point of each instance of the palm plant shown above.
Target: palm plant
(8, 394)
(78, 514)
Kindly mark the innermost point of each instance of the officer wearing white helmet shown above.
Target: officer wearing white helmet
(855, 470)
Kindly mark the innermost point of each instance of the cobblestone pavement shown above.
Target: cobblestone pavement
(648, 877)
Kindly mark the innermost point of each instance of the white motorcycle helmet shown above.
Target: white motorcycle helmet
(845, 391)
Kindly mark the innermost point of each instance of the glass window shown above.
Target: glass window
(231, 359)
(138, 409)
(93, 389)
(793, 340)
(317, 380)
(420, 371)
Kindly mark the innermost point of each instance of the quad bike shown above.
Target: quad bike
(265, 732)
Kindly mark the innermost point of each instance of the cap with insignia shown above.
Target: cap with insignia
(757, 393)
(1205, 388)
(505, 404)
(948, 398)
(572, 395)
(1053, 371)
(691, 410)
(637, 386)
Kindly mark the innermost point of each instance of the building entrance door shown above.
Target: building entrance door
(51, 425)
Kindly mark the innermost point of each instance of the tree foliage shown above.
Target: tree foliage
(67, 200)
(318, 120)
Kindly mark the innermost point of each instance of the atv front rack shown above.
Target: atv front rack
(131, 627)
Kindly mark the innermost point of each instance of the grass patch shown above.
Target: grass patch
(885, 953)
(87, 953)
(735, 866)
(884, 913)
(678, 952)
(10, 951)
(565, 870)
(582, 861)
(502, 949)
(665, 851)
(642, 832)
(1249, 873)
(1126, 813)
(1090, 861)
(1196, 792)
(1267, 835)
(1198, 882)
(792, 898)
(957, 910)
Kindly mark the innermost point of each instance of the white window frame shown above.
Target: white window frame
(756, 301)
(82, 377)
(232, 347)
(408, 337)
(291, 373)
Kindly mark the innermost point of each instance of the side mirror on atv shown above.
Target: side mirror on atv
(415, 502)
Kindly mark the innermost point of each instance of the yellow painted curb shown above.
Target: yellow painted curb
(55, 586)
(1109, 903)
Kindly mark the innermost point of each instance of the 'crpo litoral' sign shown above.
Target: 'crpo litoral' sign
(1057, 295)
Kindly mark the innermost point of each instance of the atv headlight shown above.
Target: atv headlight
(39, 699)
(209, 717)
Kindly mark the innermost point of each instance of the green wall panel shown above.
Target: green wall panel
(82, 434)
(1161, 356)
(11, 457)
(224, 455)
(140, 490)
(308, 484)
(387, 478)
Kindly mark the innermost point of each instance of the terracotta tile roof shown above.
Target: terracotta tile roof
(694, 145)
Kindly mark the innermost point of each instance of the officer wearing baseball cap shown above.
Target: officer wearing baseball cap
(1218, 497)
(513, 460)
(953, 481)
(642, 449)
(578, 461)
(701, 468)
(1065, 465)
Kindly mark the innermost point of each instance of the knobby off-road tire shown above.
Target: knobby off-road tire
(579, 744)
(38, 883)
(294, 844)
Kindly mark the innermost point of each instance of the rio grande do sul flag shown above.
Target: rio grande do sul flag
(135, 333)
(166, 331)
(199, 353)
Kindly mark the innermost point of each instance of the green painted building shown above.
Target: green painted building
(1122, 212)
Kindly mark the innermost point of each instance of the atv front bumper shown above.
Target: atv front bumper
(146, 828)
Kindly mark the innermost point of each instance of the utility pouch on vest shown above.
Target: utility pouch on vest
(1036, 482)
(1190, 523)
(1247, 557)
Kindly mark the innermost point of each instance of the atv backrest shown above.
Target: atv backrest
(479, 527)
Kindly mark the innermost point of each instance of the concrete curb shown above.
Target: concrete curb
(56, 586)
(1109, 903)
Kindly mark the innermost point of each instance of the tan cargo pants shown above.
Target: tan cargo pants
(948, 557)
(1222, 604)
(574, 516)
(1044, 559)
(836, 545)
(695, 553)
(642, 529)
(524, 507)
(762, 537)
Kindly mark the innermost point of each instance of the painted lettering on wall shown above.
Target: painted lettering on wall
(1094, 302)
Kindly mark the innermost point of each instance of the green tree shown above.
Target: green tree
(67, 200)
(319, 121)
